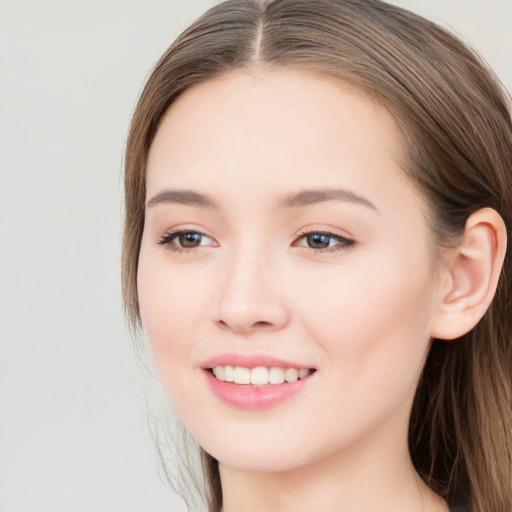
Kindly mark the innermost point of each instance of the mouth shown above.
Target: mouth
(256, 381)
(259, 376)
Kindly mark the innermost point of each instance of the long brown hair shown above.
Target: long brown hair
(455, 120)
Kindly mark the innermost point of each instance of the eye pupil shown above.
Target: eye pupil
(318, 241)
(189, 239)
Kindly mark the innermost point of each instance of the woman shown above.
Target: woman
(318, 203)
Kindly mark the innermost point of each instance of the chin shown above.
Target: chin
(267, 463)
(270, 455)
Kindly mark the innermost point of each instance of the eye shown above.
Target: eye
(184, 240)
(322, 241)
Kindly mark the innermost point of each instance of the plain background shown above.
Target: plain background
(73, 430)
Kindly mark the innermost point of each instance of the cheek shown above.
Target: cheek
(171, 304)
(373, 324)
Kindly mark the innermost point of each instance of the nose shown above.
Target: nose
(251, 298)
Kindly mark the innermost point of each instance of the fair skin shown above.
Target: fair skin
(344, 283)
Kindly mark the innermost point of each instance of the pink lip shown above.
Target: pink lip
(247, 396)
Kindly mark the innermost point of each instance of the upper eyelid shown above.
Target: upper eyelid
(171, 234)
(324, 232)
(308, 231)
(180, 230)
(344, 242)
(174, 231)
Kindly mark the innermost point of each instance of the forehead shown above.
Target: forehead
(280, 128)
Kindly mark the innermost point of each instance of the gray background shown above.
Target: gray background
(73, 430)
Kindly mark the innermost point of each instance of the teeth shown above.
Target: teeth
(291, 374)
(276, 376)
(242, 375)
(219, 372)
(303, 373)
(259, 376)
(229, 374)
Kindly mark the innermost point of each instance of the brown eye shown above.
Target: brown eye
(189, 239)
(185, 240)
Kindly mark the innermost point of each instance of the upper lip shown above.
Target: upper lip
(251, 361)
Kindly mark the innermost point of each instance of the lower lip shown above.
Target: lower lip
(254, 397)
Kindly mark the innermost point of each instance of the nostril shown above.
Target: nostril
(262, 324)
(245, 327)
(222, 324)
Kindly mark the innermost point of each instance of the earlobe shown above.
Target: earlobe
(471, 275)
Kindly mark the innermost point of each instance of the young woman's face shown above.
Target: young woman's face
(280, 232)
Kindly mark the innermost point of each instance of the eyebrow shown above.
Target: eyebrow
(295, 200)
(309, 197)
(186, 197)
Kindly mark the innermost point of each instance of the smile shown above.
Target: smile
(258, 376)
(256, 381)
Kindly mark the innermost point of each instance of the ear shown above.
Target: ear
(470, 275)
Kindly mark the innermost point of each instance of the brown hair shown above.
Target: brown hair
(456, 124)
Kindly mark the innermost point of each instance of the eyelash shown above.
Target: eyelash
(169, 237)
(343, 243)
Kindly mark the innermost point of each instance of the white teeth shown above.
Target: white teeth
(259, 376)
(229, 374)
(291, 374)
(303, 373)
(276, 376)
(242, 375)
(219, 372)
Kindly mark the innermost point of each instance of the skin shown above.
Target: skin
(360, 314)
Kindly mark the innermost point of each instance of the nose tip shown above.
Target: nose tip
(251, 301)
(240, 314)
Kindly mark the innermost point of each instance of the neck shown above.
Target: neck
(364, 477)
